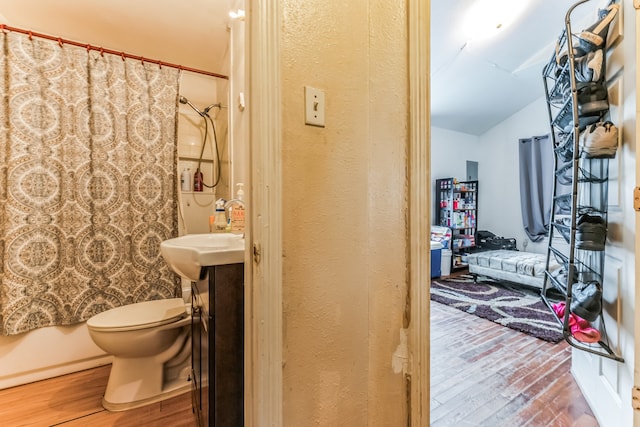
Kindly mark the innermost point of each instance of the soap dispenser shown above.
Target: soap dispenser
(220, 218)
(237, 211)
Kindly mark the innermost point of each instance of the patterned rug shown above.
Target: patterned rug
(513, 306)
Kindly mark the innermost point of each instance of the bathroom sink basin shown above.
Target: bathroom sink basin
(188, 254)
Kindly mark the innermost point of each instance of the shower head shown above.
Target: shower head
(204, 112)
(184, 100)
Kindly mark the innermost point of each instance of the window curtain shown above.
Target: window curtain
(536, 185)
(87, 172)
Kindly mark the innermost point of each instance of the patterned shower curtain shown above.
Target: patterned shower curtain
(87, 167)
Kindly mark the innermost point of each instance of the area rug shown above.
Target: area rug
(513, 306)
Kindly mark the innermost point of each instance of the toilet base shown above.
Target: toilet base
(180, 387)
(126, 391)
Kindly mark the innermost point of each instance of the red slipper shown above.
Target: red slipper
(580, 328)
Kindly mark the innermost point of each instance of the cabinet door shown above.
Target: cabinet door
(196, 370)
(200, 350)
(226, 357)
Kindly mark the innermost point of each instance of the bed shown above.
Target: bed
(524, 268)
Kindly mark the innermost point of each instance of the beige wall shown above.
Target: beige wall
(344, 222)
(202, 91)
(197, 207)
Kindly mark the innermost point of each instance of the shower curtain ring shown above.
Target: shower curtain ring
(122, 56)
(60, 42)
(30, 36)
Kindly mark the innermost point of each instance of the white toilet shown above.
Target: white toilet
(151, 347)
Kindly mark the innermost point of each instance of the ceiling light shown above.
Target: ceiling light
(486, 18)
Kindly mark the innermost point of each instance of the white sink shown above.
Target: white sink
(188, 254)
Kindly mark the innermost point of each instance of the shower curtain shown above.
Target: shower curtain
(87, 167)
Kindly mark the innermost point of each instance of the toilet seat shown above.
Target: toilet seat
(142, 315)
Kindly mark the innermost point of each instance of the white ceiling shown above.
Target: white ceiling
(475, 88)
(191, 33)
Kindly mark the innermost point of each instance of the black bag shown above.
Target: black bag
(500, 243)
(489, 241)
(484, 235)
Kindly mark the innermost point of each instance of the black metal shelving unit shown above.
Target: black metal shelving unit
(581, 180)
(457, 208)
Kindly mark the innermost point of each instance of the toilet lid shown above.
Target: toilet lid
(142, 314)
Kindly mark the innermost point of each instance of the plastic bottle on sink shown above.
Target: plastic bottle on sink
(237, 211)
(220, 218)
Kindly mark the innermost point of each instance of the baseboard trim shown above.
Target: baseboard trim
(53, 371)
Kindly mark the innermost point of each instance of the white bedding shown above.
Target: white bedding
(514, 266)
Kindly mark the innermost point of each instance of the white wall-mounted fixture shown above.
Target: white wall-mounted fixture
(314, 106)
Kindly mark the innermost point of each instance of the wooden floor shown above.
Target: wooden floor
(75, 400)
(484, 374)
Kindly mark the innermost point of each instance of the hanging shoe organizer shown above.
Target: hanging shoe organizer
(584, 141)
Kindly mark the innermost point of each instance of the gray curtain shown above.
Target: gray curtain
(536, 185)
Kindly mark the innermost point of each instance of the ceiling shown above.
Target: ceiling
(191, 33)
(475, 87)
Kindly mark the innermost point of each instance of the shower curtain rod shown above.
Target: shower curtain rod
(61, 41)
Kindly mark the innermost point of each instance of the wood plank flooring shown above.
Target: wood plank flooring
(484, 374)
(75, 400)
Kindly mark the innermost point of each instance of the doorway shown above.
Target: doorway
(494, 147)
(605, 383)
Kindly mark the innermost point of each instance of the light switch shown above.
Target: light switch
(314, 106)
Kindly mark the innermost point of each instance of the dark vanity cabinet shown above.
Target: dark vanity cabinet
(218, 346)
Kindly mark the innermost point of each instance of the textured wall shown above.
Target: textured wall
(345, 198)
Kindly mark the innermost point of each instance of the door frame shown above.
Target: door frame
(263, 253)
(636, 361)
(419, 164)
(263, 305)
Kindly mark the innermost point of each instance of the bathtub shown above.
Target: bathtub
(47, 352)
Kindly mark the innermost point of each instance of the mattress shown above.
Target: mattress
(526, 268)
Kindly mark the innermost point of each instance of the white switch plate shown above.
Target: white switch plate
(314, 106)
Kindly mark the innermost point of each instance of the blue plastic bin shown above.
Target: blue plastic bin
(436, 257)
